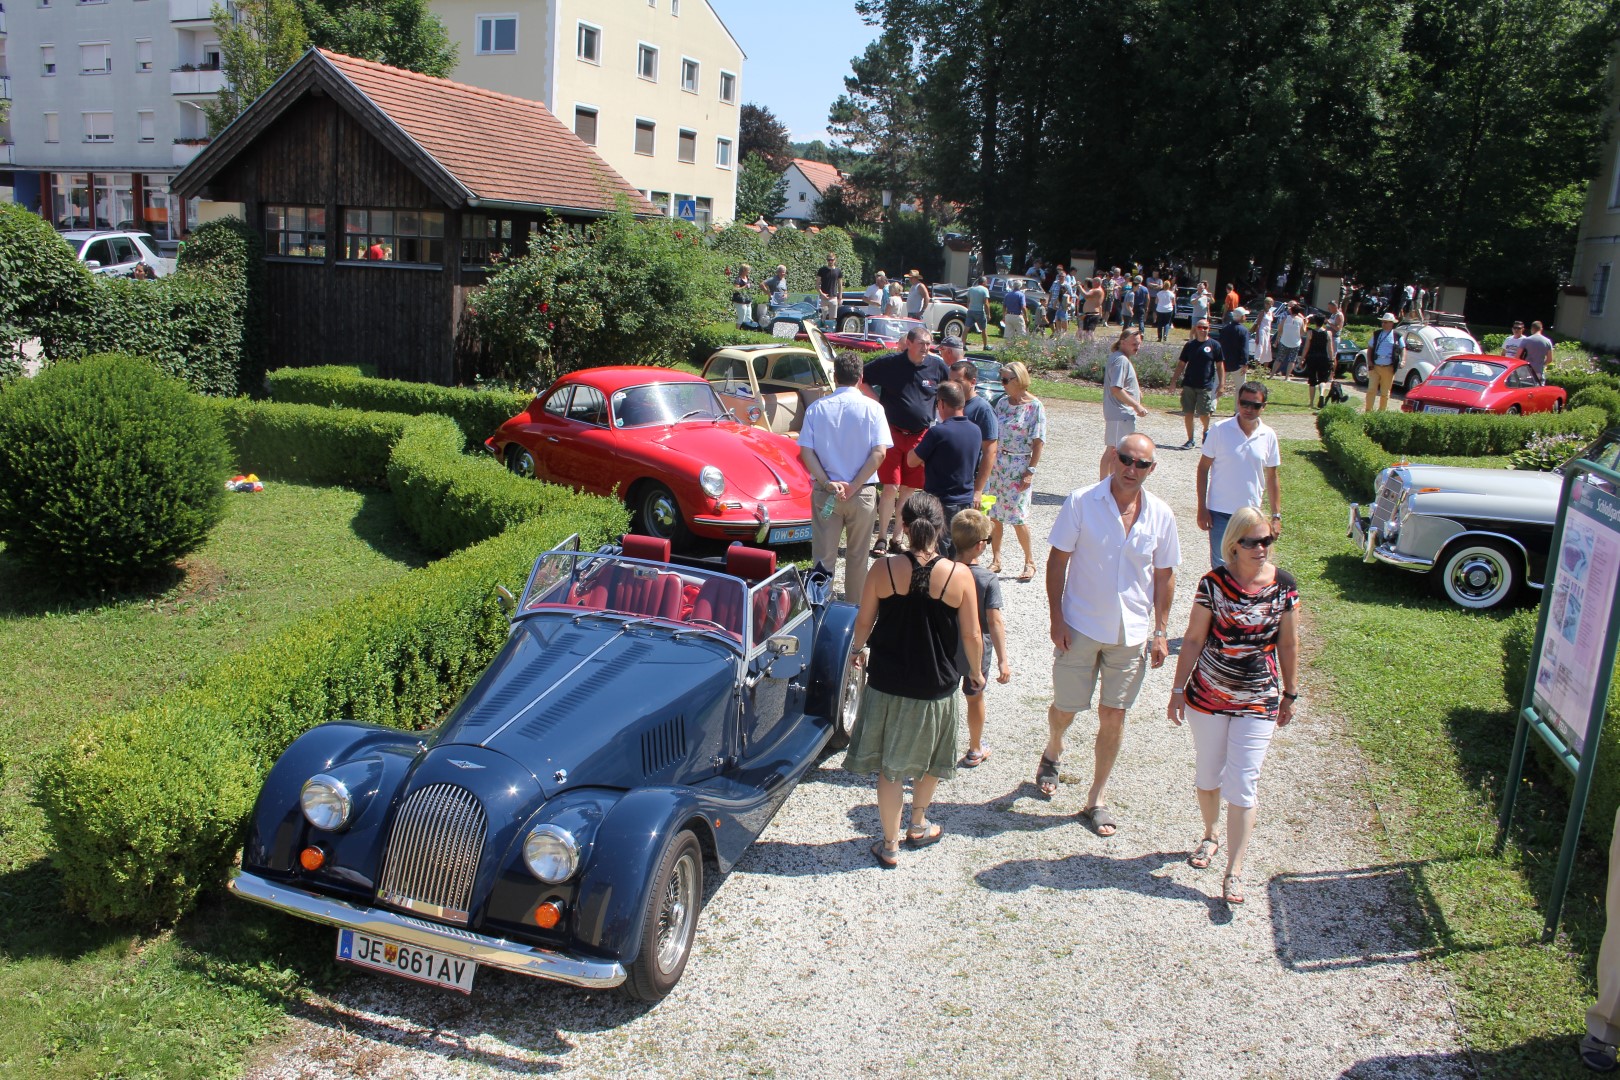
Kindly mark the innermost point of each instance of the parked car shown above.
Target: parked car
(1473, 383)
(1184, 306)
(1480, 534)
(664, 442)
(988, 385)
(1427, 347)
(116, 254)
(1001, 285)
(644, 721)
(771, 386)
(943, 317)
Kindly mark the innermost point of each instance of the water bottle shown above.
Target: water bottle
(825, 507)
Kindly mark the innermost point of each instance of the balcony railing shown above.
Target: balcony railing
(5, 87)
(192, 10)
(186, 149)
(8, 154)
(196, 82)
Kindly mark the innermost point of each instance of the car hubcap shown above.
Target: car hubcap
(661, 514)
(675, 913)
(1477, 577)
(523, 464)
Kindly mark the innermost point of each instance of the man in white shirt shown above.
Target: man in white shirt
(1238, 466)
(842, 441)
(1110, 577)
(877, 293)
(1513, 344)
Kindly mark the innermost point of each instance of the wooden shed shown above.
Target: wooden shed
(383, 196)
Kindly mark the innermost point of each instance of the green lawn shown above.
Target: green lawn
(1420, 682)
(79, 1001)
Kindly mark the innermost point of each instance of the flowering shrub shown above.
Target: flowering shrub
(1088, 360)
(1545, 452)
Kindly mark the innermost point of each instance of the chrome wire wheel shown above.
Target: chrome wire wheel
(676, 912)
(848, 706)
(668, 920)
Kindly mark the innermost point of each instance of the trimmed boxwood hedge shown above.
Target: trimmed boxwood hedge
(1345, 439)
(478, 412)
(713, 337)
(1606, 398)
(310, 443)
(1575, 380)
(1471, 434)
(146, 807)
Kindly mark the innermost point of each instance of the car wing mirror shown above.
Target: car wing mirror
(783, 645)
(92, 264)
(508, 602)
(754, 414)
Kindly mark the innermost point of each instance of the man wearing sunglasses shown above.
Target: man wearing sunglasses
(1239, 463)
(1110, 577)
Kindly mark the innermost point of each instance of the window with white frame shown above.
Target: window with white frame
(1600, 290)
(585, 124)
(728, 88)
(644, 137)
(647, 62)
(689, 75)
(705, 211)
(675, 7)
(497, 35)
(47, 59)
(722, 153)
(98, 127)
(660, 201)
(588, 43)
(686, 148)
(95, 57)
(143, 54)
(146, 125)
(53, 128)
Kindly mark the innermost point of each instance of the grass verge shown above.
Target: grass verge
(1420, 683)
(83, 1001)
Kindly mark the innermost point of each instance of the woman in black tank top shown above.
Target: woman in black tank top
(915, 610)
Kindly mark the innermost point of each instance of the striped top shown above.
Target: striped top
(1237, 671)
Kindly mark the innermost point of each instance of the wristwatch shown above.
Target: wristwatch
(1276, 517)
(1161, 633)
(1029, 468)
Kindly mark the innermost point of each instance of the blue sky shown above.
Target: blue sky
(797, 56)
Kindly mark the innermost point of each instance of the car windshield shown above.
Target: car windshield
(1450, 346)
(680, 595)
(1470, 369)
(665, 403)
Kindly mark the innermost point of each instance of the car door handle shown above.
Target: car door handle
(552, 438)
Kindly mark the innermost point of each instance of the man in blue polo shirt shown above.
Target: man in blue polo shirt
(949, 457)
(904, 383)
(1012, 317)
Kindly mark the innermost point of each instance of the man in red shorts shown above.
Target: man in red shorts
(904, 383)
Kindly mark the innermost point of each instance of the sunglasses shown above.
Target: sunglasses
(1255, 405)
(1134, 463)
(1252, 542)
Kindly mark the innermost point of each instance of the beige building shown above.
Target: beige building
(654, 85)
(1589, 309)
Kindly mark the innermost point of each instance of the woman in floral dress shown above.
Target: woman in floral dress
(1022, 421)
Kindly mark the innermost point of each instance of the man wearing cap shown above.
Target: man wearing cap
(1234, 339)
(877, 293)
(1384, 354)
(905, 384)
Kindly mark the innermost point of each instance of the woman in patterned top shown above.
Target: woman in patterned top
(1236, 683)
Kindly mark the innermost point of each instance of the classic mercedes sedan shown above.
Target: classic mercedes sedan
(645, 720)
(683, 462)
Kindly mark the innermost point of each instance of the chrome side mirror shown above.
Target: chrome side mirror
(754, 414)
(783, 645)
(507, 600)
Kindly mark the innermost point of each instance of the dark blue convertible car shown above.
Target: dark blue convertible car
(644, 721)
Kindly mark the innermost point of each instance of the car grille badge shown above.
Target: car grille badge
(458, 763)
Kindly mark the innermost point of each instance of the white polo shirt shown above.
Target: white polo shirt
(1108, 593)
(842, 428)
(1238, 463)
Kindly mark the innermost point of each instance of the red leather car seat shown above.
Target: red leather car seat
(644, 547)
(750, 564)
(720, 601)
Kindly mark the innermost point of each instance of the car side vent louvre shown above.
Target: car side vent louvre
(587, 688)
(663, 745)
(433, 853)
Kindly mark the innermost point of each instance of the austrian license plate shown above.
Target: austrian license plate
(1439, 408)
(789, 534)
(423, 965)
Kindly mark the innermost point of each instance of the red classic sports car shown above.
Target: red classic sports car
(1477, 383)
(683, 464)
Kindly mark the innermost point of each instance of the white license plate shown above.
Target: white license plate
(1439, 408)
(788, 534)
(423, 965)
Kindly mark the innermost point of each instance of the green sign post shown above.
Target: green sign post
(1567, 689)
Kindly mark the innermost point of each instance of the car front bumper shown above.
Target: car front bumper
(1365, 535)
(480, 948)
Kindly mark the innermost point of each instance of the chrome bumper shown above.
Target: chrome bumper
(482, 949)
(1365, 535)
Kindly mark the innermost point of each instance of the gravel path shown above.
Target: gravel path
(1022, 945)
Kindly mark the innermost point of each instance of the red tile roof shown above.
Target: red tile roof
(501, 148)
(821, 175)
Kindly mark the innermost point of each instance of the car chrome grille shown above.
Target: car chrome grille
(433, 853)
(1389, 498)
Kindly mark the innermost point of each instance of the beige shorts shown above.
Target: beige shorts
(1074, 673)
(1115, 430)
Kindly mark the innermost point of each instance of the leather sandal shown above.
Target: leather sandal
(923, 834)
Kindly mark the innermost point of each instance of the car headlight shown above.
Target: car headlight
(326, 802)
(551, 853)
(712, 481)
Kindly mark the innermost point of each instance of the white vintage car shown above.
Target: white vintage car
(943, 317)
(1427, 347)
(1480, 534)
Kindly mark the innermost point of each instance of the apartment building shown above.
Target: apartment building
(106, 106)
(654, 85)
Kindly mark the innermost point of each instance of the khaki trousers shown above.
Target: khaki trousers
(855, 515)
(1603, 1019)
(1380, 379)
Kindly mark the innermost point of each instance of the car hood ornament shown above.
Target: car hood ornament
(458, 763)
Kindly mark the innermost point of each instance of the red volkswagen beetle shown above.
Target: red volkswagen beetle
(1476, 383)
(662, 439)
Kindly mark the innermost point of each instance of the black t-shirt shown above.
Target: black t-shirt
(1203, 360)
(950, 455)
(1235, 345)
(906, 390)
(832, 280)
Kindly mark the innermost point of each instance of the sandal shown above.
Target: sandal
(1046, 776)
(1232, 889)
(995, 567)
(1206, 850)
(1102, 822)
(920, 836)
(886, 856)
(976, 758)
(1027, 574)
(1597, 1055)
(880, 549)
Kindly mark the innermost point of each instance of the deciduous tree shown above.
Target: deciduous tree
(761, 190)
(401, 33)
(760, 132)
(259, 41)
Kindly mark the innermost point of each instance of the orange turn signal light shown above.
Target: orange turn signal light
(548, 915)
(312, 858)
